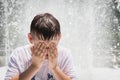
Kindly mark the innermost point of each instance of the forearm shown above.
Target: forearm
(27, 75)
(59, 75)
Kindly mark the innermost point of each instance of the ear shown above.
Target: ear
(30, 38)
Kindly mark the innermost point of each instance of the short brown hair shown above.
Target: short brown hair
(46, 25)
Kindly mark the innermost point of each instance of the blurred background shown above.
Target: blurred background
(90, 29)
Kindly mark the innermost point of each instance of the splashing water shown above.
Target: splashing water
(88, 30)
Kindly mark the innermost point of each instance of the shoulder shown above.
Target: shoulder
(64, 56)
(64, 52)
(20, 53)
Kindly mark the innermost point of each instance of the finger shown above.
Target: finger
(42, 49)
(34, 50)
(56, 53)
(54, 39)
(39, 45)
(43, 55)
(36, 45)
(37, 49)
(44, 46)
(49, 52)
(54, 50)
(53, 44)
(51, 55)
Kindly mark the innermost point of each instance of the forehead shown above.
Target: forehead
(41, 37)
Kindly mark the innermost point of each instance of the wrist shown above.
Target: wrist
(35, 66)
(54, 68)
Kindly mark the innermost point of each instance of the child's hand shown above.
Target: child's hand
(52, 56)
(38, 54)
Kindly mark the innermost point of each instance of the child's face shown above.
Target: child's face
(48, 42)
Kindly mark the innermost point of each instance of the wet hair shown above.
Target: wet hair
(46, 25)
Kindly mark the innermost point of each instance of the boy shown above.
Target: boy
(42, 60)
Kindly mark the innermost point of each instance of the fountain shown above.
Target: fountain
(86, 27)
